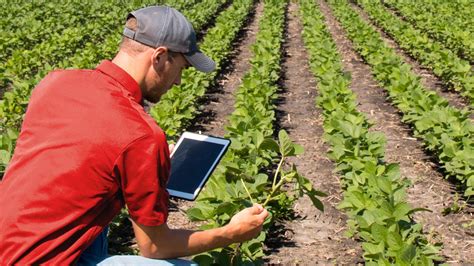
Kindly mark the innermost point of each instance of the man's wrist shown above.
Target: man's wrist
(227, 233)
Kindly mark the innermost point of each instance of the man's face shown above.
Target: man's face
(165, 76)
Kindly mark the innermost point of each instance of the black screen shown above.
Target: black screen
(190, 163)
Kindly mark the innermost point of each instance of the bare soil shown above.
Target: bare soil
(429, 189)
(314, 236)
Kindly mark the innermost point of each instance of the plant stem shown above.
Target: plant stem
(277, 171)
(248, 193)
(277, 187)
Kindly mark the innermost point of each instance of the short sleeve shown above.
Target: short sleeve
(143, 170)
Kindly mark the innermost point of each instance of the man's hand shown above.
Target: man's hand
(248, 223)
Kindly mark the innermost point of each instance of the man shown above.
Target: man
(87, 148)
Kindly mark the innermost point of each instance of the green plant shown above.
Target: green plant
(374, 192)
(233, 189)
(446, 131)
(243, 175)
(455, 72)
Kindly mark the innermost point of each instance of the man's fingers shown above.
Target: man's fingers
(259, 211)
(260, 207)
(263, 215)
(256, 208)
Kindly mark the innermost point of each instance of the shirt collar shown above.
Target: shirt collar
(121, 76)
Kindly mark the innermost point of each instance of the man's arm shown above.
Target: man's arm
(161, 242)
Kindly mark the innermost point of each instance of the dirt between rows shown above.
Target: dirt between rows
(429, 189)
(314, 236)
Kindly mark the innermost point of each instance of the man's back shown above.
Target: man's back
(68, 174)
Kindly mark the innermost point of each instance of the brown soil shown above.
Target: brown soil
(314, 236)
(429, 189)
(428, 79)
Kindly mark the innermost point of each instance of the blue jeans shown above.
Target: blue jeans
(96, 254)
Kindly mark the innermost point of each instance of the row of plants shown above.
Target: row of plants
(445, 21)
(25, 62)
(179, 105)
(374, 193)
(446, 131)
(25, 19)
(243, 177)
(15, 101)
(457, 12)
(16, 13)
(455, 72)
(46, 22)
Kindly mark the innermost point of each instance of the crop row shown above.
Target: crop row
(455, 72)
(16, 14)
(16, 9)
(443, 21)
(445, 131)
(375, 196)
(455, 11)
(14, 102)
(45, 23)
(242, 177)
(25, 63)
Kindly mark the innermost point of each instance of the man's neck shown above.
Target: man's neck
(135, 66)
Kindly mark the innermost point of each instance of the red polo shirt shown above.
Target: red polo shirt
(86, 148)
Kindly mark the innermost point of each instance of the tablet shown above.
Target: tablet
(193, 160)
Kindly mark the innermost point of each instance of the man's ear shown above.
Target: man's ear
(159, 56)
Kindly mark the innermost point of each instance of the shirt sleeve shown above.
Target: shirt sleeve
(143, 170)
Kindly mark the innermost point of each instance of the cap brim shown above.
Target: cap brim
(200, 61)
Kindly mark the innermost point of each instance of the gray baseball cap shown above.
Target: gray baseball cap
(166, 26)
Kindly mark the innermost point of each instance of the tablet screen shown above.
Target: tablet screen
(192, 163)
